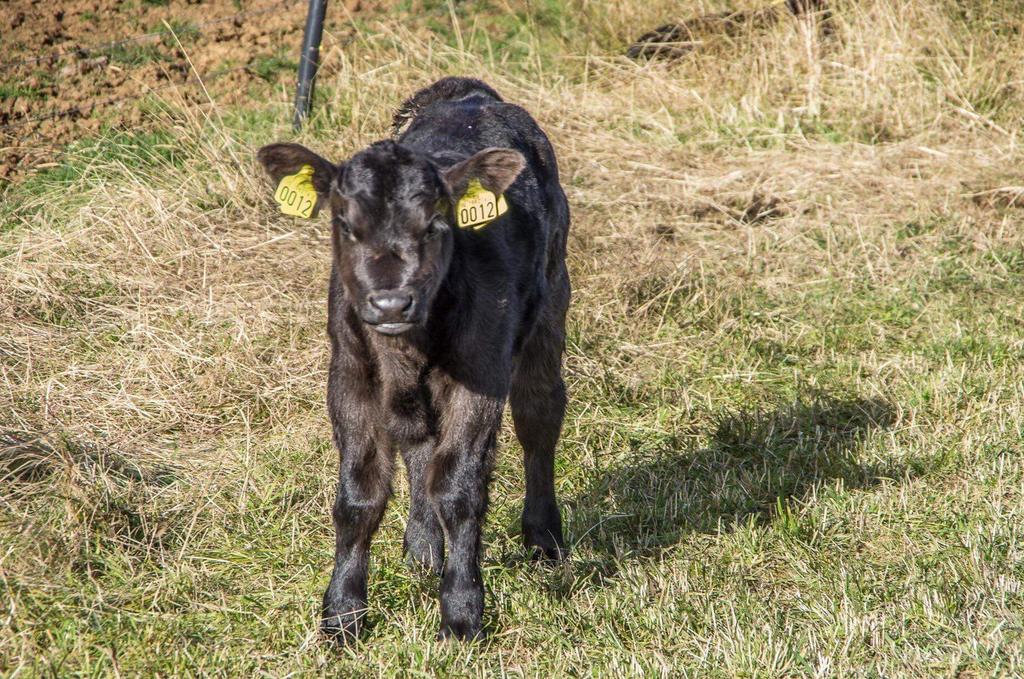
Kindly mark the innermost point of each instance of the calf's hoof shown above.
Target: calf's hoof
(343, 628)
(423, 563)
(463, 630)
(423, 552)
(545, 544)
(462, 609)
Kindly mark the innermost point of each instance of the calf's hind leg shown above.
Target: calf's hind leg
(423, 543)
(538, 399)
(457, 483)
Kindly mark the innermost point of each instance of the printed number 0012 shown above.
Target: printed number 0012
(470, 214)
(289, 196)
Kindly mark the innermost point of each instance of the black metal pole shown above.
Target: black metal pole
(309, 60)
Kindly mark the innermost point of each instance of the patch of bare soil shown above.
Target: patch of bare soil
(68, 68)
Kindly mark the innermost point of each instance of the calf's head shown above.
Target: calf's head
(391, 220)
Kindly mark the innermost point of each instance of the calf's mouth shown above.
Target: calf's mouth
(391, 328)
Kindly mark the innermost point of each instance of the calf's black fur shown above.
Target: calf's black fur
(433, 328)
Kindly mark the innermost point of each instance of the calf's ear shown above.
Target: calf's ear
(496, 168)
(280, 160)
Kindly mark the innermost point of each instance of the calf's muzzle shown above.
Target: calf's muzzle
(390, 312)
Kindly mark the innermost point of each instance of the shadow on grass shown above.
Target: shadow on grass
(30, 457)
(107, 501)
(755, 462)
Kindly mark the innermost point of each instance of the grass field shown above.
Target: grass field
(796, 364)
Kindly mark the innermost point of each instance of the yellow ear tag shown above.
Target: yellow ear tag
(478, 207)
(295, 194)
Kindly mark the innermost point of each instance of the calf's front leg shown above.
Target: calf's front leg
(364, 485)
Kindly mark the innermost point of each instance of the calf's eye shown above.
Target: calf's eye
(344, 228)
(434, 228)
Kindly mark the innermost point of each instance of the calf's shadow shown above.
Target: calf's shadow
(755, 462)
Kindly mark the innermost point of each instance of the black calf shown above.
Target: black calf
(435, 319)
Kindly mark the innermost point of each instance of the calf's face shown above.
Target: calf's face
(391, 221)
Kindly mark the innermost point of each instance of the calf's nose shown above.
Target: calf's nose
(390, 301)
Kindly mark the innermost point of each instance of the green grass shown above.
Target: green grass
(13, 90)
(794, 439)
(269, 66)
(181, 31)
(135, 54)
(84, 164)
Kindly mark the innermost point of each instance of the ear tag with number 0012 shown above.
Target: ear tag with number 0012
(295, 193)
(478, 207)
